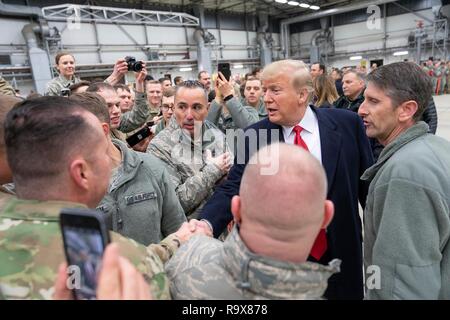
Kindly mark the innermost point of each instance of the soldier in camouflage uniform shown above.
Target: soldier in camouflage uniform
(194, 150)
(65, 64)
(6, 88)
(264, 257)
(141, 202)
(48, 166)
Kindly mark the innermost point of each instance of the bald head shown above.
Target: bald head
(286, 208)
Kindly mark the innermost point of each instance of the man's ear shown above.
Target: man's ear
(79, 173)
(302, 96)
(236, 208)
(407, 110)
(328, 214)
(105, 128)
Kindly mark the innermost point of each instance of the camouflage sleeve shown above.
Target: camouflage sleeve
(52, 89)
(137, 116)
(196, 188)
(148, 262)
(173, 214)
(243, 116)
(166, 248)
(6, 88)
(214, 112)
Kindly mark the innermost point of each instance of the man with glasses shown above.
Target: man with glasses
(167, 107)
(194, 150)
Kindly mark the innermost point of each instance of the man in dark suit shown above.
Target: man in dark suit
(337, 139)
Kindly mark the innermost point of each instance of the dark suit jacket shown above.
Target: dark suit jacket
(346, 154)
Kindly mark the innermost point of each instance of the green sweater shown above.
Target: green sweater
(406, 219)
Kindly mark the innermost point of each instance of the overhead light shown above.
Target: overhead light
(185, 69)
(281, 1)
(238, 66)
(356, 58)
(293, 3)
(401, 53)
(304, 5)
(314, 7)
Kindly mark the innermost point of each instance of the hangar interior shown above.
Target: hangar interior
(182, 37)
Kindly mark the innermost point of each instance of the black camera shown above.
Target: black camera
(65, 92)
(133, 65)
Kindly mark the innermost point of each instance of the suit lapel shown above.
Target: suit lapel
(330, 141)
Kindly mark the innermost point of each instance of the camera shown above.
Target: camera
(133, 65)
(64, 92)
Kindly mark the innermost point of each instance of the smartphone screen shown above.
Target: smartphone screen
(224, 68)
(85, 240)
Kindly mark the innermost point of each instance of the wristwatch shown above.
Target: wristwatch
(229, 97)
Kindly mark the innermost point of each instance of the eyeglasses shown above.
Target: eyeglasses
(166, 108)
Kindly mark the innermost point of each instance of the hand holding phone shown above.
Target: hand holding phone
(85, 238)
(225, 69)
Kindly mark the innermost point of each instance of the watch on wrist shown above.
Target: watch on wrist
(228, 97)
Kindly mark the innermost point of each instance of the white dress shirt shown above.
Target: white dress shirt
(310, 133)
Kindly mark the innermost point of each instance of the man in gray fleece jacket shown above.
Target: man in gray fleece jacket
(406, 218)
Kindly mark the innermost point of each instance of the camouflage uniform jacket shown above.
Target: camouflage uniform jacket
(141, 202)
(205, 268)
(262, 112)
(5, 88)
(31, 250)
(240, 116)
(136, 117)
(193, 177)
(56, 84)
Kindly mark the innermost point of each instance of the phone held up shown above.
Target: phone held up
(142, 134)
(85, 238)
(224, 68)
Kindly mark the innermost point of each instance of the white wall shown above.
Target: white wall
(353, 38)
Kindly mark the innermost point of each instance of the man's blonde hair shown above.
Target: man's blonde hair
(300, 77)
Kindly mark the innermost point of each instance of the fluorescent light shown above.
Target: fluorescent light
(293, 3)
(304, 5)
(185, 69)
(401, 53)
(356, 58)
(281, 1)
(238, 66)
(314, 7)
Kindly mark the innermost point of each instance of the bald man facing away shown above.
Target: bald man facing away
(264, 257)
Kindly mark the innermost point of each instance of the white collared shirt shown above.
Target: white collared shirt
(310, 133)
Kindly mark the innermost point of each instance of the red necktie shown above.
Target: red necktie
(320, 245)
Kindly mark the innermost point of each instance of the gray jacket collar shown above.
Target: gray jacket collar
(129, 165)
(271, 278)
(412, 133)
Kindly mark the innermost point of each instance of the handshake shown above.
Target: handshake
(191, 228)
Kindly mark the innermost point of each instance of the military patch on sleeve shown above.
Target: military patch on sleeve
(140, 197)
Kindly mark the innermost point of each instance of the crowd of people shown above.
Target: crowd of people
(217, 188)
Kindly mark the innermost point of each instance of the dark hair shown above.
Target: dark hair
(177, 79)
(93, 103)
(122, 87)
(6, 104)
(191, 84)
(161, 80)
(148, 78)
(325, 90)
(78, 85)
(40, 135)
(256, 70)
(404, 81)
(321, 67)
(199, 76)
(99, 86)
(60, 54)
(339, 72)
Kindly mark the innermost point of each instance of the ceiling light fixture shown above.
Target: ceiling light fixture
(314, 7)
(401, 53)
(185, 69)
(356, 58)
(293, 3)
(281, 1)
(304, 5)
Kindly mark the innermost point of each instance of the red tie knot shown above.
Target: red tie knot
(297, 129)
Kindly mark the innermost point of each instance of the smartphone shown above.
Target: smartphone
(139, 136)
(85, 238)
(225, 69)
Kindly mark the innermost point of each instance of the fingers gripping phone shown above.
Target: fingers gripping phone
(224, 68)
(85, 238)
